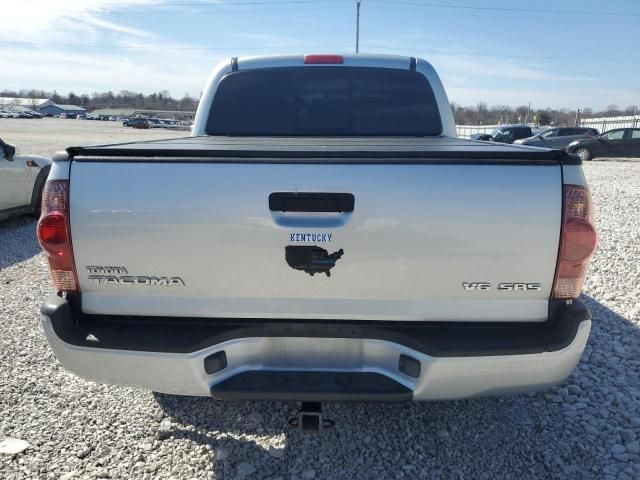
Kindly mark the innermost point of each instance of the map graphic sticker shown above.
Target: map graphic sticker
(311, 259)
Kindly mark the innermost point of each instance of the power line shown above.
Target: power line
(407, 50)
(162, 47)
(215, 12)
(505, 55)
(126, 7)
(357, 26)
(202, 8)
(265, 7)
(249, 2)
(506, 9)
(166, 8)
(498, 17)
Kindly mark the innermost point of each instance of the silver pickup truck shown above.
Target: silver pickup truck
(322, 235)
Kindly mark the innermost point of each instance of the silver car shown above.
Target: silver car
(558, 137)
(22, 179)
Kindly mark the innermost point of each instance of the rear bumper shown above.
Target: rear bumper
(322, 361)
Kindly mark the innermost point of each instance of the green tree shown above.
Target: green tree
(543, 117)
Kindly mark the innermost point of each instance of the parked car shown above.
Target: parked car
(4, 114)
(138, 123)
(620, 142)
(485, 137)
(558, 137)
(34, 114)
(322, 236)
(172, 124)
(507, 134)
(22, 178)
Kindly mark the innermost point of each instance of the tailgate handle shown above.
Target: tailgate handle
(311, 202)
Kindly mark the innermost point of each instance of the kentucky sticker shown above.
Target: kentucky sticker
(310, 237)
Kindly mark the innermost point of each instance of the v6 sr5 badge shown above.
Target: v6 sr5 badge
(311, 259)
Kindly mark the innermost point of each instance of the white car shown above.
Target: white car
(10, 114)
(22, 178)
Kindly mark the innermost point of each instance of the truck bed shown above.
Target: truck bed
(411, 150)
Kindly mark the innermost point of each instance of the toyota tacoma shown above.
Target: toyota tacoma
(321, 235)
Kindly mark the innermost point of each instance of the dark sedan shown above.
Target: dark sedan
(621, 142)
(137, 123)
(505, 134)
(558, 137)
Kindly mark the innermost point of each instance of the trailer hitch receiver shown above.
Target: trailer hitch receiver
(310, 418)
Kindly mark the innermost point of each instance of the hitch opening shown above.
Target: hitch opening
(310, 418)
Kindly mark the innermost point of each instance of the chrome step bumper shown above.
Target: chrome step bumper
(436, 377)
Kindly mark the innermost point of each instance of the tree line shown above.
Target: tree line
(122, 99)
(482, 114)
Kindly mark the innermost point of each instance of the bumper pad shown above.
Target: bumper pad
(311, 387)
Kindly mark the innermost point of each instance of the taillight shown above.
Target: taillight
(54, 235)
(578, 241)
(311, 59)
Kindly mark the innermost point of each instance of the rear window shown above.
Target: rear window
(523, 132)
(317, 101)
(585, 131)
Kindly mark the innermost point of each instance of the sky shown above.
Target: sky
(552, 53)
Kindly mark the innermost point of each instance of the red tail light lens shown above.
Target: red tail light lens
(54, 235)
(578, 241)
(311, 59)
(52, 232)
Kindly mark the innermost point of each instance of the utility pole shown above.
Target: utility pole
(357, 26)
(526, 119)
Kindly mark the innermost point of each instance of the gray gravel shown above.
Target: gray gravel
(48, 135)
(587, 428)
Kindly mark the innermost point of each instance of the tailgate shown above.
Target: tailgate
(422, 242)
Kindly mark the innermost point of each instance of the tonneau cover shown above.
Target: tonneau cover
(326, 149)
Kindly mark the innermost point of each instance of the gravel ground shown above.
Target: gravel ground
(48, 135)
(587, 428)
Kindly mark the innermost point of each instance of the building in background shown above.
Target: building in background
(55, 110)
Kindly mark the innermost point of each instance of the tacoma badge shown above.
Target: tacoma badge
(108, 275)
